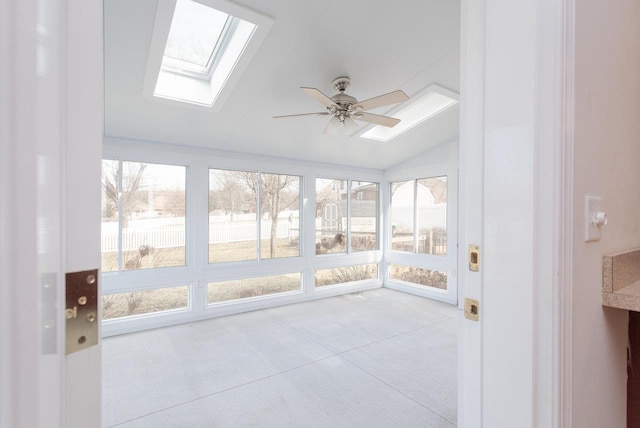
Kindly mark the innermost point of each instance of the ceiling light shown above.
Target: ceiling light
(427, 104)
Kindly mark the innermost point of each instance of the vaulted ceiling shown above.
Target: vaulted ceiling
(381, 45)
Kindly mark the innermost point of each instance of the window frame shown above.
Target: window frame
(448, 263)
(119, 257)
(259, 259)
(199, 272)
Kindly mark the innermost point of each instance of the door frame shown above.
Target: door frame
(493, 35)
(51, 128)
(552, 22)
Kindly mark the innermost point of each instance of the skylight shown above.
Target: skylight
(433, 101)
(195, 32)
(200, 48)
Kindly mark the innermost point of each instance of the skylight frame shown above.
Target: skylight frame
(433, 88)
(196, 30)
(212, 98)
(177, 65)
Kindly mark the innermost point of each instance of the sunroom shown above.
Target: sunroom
(210, 206)
(276, 196)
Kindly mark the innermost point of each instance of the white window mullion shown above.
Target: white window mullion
(349, 189)
(120, 211)
(259, 216)
(307, 232)
(415, 216)
(197, 218)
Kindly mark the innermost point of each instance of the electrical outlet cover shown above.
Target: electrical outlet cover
(592, 205)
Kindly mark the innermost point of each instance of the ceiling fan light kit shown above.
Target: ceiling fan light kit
(344, 108)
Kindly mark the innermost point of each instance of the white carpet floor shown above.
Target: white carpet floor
(379, 358)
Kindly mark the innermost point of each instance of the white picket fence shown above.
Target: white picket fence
(232, 231)
(173, 235)
(167, 235)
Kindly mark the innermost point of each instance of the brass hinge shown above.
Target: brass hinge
(81, 310)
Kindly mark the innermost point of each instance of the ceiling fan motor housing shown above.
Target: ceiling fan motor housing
(343, 100)
(344, 108)
(341, 83)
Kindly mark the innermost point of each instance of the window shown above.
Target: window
(196, 30)
(331, 216)
(144, 302)
(224, 291)
(402, 198)
(364, 216)
(237, 200)
(342, 275)
(418, 276)
(431, 204)
(233, 216)
(110, 225)
(177, 226)
(143, 215)
(206, 49)
(280, 223)
(341, 213)
(419, 216)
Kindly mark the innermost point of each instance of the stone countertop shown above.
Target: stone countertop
(621, 280)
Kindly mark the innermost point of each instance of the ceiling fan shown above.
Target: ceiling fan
(344, 108)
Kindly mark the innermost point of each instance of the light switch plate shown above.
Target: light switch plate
(592, 205)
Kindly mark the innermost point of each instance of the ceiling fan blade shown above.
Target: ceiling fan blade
(313, 92)
(377, 119)
(381, 101)
(324, 113)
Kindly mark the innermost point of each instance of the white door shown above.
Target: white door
(51, 134)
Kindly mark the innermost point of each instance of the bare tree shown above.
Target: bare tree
(278, 192)
(273, 186)
(438, 188)
(229, 193)
(131, 184)
(173, 202)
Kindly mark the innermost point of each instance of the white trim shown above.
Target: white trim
(19, 354)
(471, 207)
(84, 130)
(563, 308)
(7, 44)
(32, 113)
(129, 325)
(421, 290)
(548, 200)
(139, 150)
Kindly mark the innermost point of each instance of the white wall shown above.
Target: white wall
(445, 153)
(606, 164)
